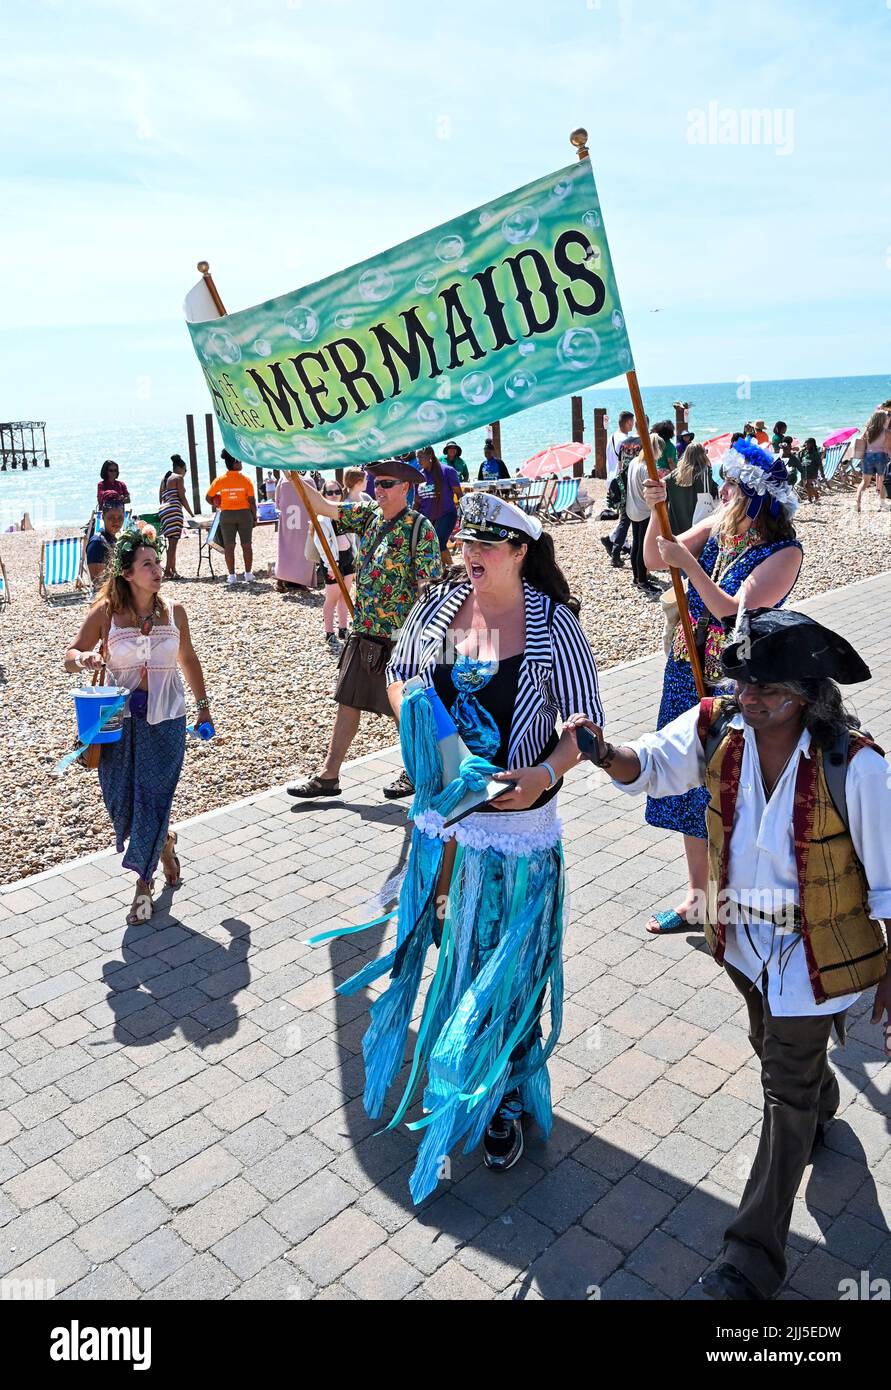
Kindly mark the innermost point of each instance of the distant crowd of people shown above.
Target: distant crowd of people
(692, 491)
(302, 564)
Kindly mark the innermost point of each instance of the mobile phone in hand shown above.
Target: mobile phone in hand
(588, 745)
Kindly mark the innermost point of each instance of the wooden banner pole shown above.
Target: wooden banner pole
(579, 138)
(294, 473)
(193, 464)
(677, 578)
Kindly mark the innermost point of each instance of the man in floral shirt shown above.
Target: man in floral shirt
(397, 558)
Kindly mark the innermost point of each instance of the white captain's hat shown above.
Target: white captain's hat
(489, 520)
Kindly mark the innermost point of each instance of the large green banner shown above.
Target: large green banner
(510, 305)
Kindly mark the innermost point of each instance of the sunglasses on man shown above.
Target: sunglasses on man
(386, 483)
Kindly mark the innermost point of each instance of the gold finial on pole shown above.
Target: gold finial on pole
(204, 268)
(579, 138)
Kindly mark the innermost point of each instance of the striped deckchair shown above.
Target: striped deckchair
(832, 459)
(61, 562)
(565, 496)
(531, 499)
(4, 586)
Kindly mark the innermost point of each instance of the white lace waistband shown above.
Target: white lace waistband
(513, 832)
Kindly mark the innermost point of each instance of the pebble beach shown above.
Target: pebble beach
(270, 676)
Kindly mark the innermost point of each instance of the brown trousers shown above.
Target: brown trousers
(800, 1090)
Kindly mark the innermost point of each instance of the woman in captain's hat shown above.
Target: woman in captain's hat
(500, 643)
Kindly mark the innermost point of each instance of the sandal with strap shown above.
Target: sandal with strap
(142, 906)
(169, 848)
(664, 923)
(315, 786)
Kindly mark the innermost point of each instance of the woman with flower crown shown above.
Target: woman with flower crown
(745, 554)
(143, 640)
(487, 663)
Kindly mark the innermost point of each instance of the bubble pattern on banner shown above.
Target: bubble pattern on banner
(579, 348)
(520, 225)
(302, 323)
(290, 342)
(477, 388)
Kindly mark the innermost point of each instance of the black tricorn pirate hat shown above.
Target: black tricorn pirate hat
(783, 645)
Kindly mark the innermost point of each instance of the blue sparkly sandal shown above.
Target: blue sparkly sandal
(669, 921)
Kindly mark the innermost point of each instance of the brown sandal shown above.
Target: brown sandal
(142, 906)
(170, 844)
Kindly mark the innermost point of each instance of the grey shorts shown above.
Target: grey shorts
(238, 523)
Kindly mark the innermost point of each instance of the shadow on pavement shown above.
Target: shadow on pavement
(171, 978)
(558, 1230)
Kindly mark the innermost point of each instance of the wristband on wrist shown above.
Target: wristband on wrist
(551, 772)
(203, 703)
(79, 660)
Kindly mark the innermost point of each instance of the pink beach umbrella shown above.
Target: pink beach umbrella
(716, 448)
(554, 459)
(840, 437)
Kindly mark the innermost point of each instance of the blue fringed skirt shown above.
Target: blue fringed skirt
(499, 962)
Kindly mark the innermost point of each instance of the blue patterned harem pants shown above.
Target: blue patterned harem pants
(138, 777)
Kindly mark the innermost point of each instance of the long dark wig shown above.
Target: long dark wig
(825, 713)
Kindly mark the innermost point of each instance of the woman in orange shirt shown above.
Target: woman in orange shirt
(233, 494)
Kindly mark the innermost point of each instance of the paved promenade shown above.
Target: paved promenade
(179, 1102)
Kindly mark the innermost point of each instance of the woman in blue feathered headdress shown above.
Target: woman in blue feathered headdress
(742, 557)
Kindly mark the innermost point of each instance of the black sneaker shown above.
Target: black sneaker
(342, 633)
(618, 562)
(728, 1284)
(401, 787)
(503, 1139)
(607, 544)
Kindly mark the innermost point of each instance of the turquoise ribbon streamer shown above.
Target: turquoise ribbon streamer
(474, 1096)
(348, 931)
(443, 967)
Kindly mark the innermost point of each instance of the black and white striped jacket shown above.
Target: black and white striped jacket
(558, 676)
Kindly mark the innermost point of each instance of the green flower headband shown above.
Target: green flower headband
(128, 542)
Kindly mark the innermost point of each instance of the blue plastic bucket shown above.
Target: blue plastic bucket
(91, 702)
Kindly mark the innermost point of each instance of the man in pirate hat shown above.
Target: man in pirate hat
(798, 905)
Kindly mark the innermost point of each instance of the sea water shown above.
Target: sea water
(65, 493)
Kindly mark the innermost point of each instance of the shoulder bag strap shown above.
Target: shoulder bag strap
(99, 676)
(375, 541)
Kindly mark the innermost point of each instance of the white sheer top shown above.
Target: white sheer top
(129, 653)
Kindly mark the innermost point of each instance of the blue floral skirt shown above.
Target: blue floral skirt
(138, 776)
(684, 813)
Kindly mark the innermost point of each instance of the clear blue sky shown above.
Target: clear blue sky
(284, 139)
